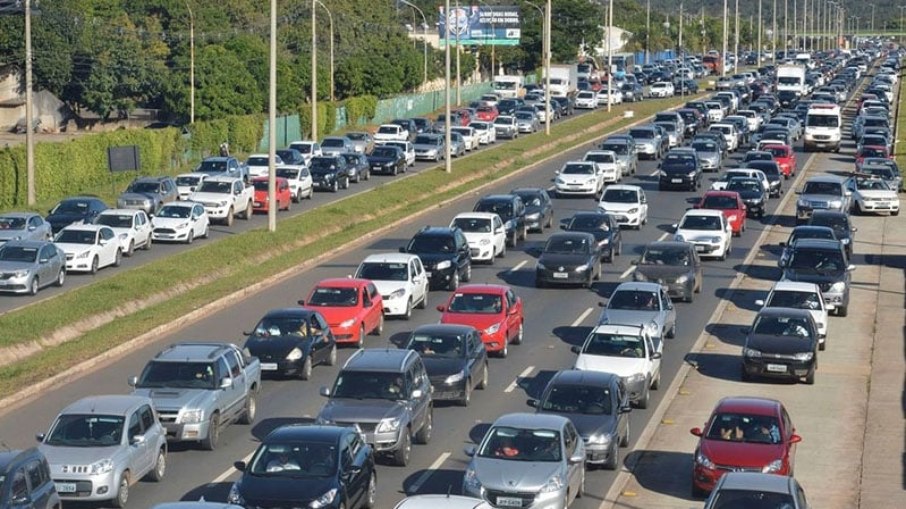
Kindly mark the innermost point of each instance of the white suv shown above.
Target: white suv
(626, 203)
(484, 232)
(708, 230)
(661, 89)
(401, 280)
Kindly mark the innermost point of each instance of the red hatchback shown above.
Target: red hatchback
(284, 194)
(744, 434)
(352, 308)
(730, 204)
(871, 151)
(785, 157)
(487, 113)
(492, 309)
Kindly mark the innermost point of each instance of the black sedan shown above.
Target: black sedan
(328, 467)
(605, 229)
(387, 160)
(752, 193)
(539, 208)
(597, 404)
(291, 157)
(840, 223)
(75, 210)
(782, 343)
(569, 258)
(680, 170)
(674, 265)
(771, 170)
(290, 341)
(455, 359)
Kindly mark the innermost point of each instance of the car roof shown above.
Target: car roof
(752, 481)
(748, 404)
(570, 235)
(13, 457)
(389, 258)
(343, 282)
(85, 227)
(193, 174)
(444, 328)
(23, 215)
(483, 288)
(37, 244)
(638, 286)
(670, 244)
(444, 231)
(617, 328)
(441, 502)
(794, 286)
(475, 215)
(221, 178)
(295, 312)
(112, 404)
(731, 194)
(182, 203)
(624, 187)
(111, 212)
(191, 351)
(379, 359)
(583, 377)
(826, 178)
(703, 212)
(312, 432)
(830, 213)
(531, 421)
(784, 312)
(500, 197)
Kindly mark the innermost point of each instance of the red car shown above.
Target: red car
(465, 117)
(284, 195)
(785, 157)
(871, 151)
(493, 309)
(487, 113)
(352, 308)
(744, 434)
(730, 204)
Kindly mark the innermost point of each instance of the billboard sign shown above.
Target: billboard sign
(480, 25)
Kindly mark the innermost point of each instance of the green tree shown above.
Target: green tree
(223, 84)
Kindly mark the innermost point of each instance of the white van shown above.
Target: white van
(823, 127)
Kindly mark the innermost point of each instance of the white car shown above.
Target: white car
(308, 149)
(628, 352)
(586, 100)
(132, 228)
(873, 195)
(468, 136)
(753, 119)
(768, 141)
(400, 278)
(721, 183)
(299, 180)
(627, 204)
(485, 132)
(661, 89)
(579, 178)
(715, 111)
(606, 162)
(408, 150)
(390, 132)
(180, 222)
(186, 184)
(807, 296)
(89, 247)
(485, 233)
(442, 502)
(728, 131)
(615, 96)
(708, 230)
(258, 164)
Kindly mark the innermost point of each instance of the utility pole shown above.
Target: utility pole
(760, 48)
(272, 204)
(872, 18)
(786, 30)
(29, 111)
(547, 63)
(458, 70)
(680, 53)
(330, 19)
(314, 72)
(424, 36)
(448, 165)
(704, 33)
(609, 56)
(774, 33)
(723, 55)
(647, 29)
(795, 25)
(736, 41)
(191, 63)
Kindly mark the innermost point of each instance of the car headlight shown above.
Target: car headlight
(748, 352)
(599, 439)
(590, 181)
(804, 356)
(845, 240)
(732, 217)
(652, 329)
(540, 266)
(484, 242)
(682, 279)
(703, 460)
(83, 254)
(101, 467)
(772, 467)
(443, 265)
(193, 416)
(636, 378)
(181, 226)
(294, 354)
(534, 217)
(396, 294)
(388, 425)
(456, 377)
(324, 500)
(661, 173)
(838, 287)
(234, 497)
(715, 240)
(21, 273)
(470, 480)
(559, 181)
(835, 204)
(347, 323)
(223, 203)
(691, 174)
(582, 268)
(510, 224)
(492, 329)
(633, 210)
(555, 484)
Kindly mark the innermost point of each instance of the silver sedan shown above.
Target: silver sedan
(26, 266)
(23, 226)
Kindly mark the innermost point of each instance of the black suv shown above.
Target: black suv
(387, 394)
(445, 254)
(511, 210)
(25, 481)
(329, 173)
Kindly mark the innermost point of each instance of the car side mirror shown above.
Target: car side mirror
(696, 431)
(32, 228)
(324, 391)
(850, 268)
(226, 383)
(43, 260)
(656, 355)
(133, 381)
(239, 465)
(470, 450)
(441, 308)
(625, 409)
(532, 402)
(137, 440)
(759, 303)
(674, 226)
(40, 437)
(854, 229)
(417, 393)
(795, 439)
(575, 349)
(782, 244)
(744, 330)
(300, 302)
(577, 457)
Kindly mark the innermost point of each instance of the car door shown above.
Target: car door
(513, 313)
(41, 492)
(499, 234)
(418, 280)
(668, 309)
(653, 365)
(138, 458)
(199, 220)
(230, 399)
(322, 340)
(464, 256)
(351, 472)
(142, 228)
(643, 205)
(416, 380)
(48, 265)
(571, 445)
(154, 433)
(108, 247)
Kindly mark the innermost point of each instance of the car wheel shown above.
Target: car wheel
(211, 441)
(698, 492)
(379, 329)
(656, 383)
(550, 221)
(94, 265)
(229, 217)
(614, 460)
(810, 377)
(624, 440)
(502, 252)
(401, 455)
(131, 250)
(520, 334)
(248, 211)
(360, 343)
(539, 283)
(371, 495)
(466, 394)
(408, 313)
(423, 436)
(332, 356)
(147, 244)
(422, 304)
(395, 171)
(644, 398)
(122, 492)
(511, 240)
(33, 287)
(61, 277)
(503, 352)
(118, 258)
(297, 197)
(822, 345)
(483, 384)
(335, 187)
(191, 237)
(454, 281)
(251, 408)
(468, 275)
(160, 467)
(841, 310)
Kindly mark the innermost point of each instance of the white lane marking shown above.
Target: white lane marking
(525, 372)
(629, 271)
(427, 473)
(518, 266)
(663, 236)
(654, 173)
(582, 317)
(224, 476)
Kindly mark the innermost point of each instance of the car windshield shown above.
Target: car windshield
(617, 148)
(665, 256)
(181, 375)
(698, 222)
(287, 173)
(385, 385)
(443, 346)
(578, 169)
(823, 188)
(789, 326)
(432, 244)
(567, 245)
(115, 220)
(260, 185)
(578, 399)
(811, 233)
(795, 299)
(738, 427)
(212, 167)
(634, 300)
(776, 151)
(473, 225)
(383, 271)
(476, 303)
(721, 202)
(645, 134)
(388, 129)
(357, 136)
(822, 121)
(744, 185)
(524, 115)
(77, 430)
(502, 209)
(514, 444)
(384, 152)
(599, 158)
(71, 207)
(587, 222)
(333, 143)
(752, 499)
(620, 196)
(282, 326)
(257, 161)
(878, 171)
(187, 181)
(76, 237)
(18, 254)
(767, 167)
(759, 156)
(174, 212)
(323, 164)
(294, 459)
(614, 345)
(704, 146)
(12, 223)
(425, 140)
(333, 297)
(209, 186)
(303, 148)
(873, 152)
(838, 223)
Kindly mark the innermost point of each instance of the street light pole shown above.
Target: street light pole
(272, 204)
(191, 63)
(547, 65)
(448, 167)
(723, 56)
(330, 18)
(424, 37)
(736, 41)
(314, 72)
(647, 29)
(680, 52)
(29, 112)
(458, 70)
(786, 30)
(774, 33)
(760, 48)
(609, 55)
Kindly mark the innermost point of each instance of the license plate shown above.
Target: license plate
(428, 275)
(65, 487)
(561, 275)
(776, 368)
(882, 204)
(676, 181)
(269, 366)
(509, 502)
(699, 248)
(257, 203)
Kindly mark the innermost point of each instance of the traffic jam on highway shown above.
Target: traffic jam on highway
(493, 397)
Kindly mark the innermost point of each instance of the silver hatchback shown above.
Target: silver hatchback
(532, 461)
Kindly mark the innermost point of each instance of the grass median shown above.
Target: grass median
(899, 146)
(77, 325)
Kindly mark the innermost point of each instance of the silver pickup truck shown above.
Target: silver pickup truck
(198, 388)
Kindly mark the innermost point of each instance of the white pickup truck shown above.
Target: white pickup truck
(391, 132)
(225, 197)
